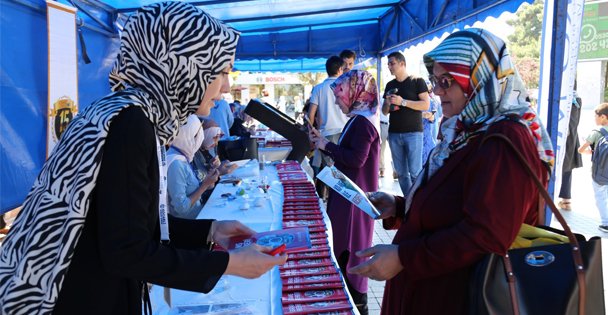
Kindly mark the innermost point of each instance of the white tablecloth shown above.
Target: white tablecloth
(262, 295)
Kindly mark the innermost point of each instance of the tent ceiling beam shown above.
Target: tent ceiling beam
(390, 26)
(440, 15)
(308, 13)
(412, 19)
(196, 3)
(283, 28)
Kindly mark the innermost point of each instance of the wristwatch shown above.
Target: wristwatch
(403, 103)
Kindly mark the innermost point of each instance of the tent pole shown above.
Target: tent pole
(558, 41)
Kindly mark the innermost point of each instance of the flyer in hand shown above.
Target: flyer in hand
(335, 179)
(294, 239)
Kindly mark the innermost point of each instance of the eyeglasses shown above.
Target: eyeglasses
(443, 82)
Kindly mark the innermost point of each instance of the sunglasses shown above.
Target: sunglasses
(443, 82)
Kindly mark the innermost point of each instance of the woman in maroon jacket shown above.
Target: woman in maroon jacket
(470, 199)
(356, 155)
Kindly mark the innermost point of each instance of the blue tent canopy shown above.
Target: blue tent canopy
(287, 35)
(312, 30)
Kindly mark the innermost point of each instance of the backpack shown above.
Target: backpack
(599, 159)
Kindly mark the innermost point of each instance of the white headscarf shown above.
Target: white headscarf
(210, 134)
(188, 141)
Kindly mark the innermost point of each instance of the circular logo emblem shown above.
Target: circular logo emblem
(63, 112)
(539, 258)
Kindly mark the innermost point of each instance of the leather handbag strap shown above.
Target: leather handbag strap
(576, 252)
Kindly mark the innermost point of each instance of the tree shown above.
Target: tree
(524, 43)
(311, 78)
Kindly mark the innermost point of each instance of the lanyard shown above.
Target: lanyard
(162, 192)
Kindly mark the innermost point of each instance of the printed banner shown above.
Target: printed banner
(571, 48)
(63, 70)
(594, 32)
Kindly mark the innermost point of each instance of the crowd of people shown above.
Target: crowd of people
(104, 205)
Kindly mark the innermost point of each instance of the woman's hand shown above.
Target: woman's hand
(384, 265)
(384, 202)
(226, 168)
(215, 162)
(210, 179)
(316, 138)
(252, 261)
(222, 231)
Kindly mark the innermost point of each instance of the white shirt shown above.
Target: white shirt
(333, 120)
(383, 118)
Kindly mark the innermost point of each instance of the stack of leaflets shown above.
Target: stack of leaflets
(311, 281)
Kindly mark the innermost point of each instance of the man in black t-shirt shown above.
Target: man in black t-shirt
(404, 107)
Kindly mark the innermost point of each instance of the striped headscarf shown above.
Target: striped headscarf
(481, 65)
(175, 68)
(169, 54)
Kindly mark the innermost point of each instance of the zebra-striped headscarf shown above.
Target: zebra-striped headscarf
(481, 65)
(170, 52)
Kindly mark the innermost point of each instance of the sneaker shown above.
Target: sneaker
(603, 228)
(381, 173)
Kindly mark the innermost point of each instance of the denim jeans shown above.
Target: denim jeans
(406, 149)
(601, 200)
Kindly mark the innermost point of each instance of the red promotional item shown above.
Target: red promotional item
(307, 186)
(297, 223)
(318, 235)
(290, 208)
(318, 241)
(307, 263)
(322, 270)
(303, 217)
(277, 250)
(302, 188)
(290, 211)
(313, 286)
(316, 307)
(314, 229)
(301, 197)
(300, 203)
(335, 277)
(313, 296)
(293, 239)
(288, 167)
(309, 254)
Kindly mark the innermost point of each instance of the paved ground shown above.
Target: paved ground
(584, 217)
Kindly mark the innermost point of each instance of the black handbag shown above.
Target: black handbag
(553, 279)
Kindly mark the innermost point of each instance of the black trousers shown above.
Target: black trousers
(565, 191)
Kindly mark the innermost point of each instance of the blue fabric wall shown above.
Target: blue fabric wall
(24, 94)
